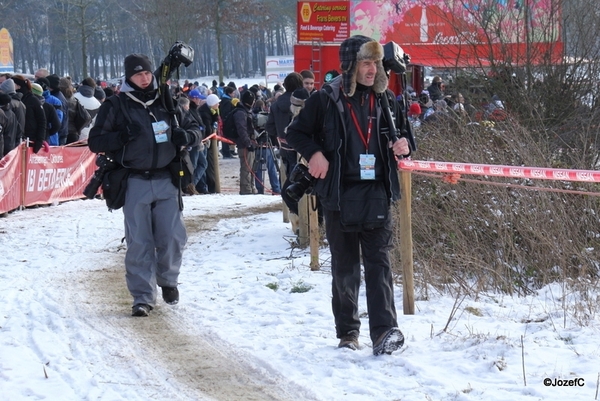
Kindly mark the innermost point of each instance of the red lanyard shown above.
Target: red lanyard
(365, 138)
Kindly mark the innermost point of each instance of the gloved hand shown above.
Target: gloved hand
(250, 148)
(37, 145)
(130, 132)
(46, 146)
(180, 137)
(215, 126)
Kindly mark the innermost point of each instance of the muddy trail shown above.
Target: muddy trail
(195, 365)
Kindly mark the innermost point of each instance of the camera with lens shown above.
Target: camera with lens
(259, 120)
(301, 182)
(104, 164)
(394, 58)
(181, 54)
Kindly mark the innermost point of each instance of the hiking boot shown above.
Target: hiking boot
(141, 310)
(390, 341)
(350, 340)
(170, 295)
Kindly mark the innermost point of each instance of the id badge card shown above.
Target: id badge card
(160, 131)
(367, 167)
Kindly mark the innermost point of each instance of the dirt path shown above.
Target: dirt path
(171, 352)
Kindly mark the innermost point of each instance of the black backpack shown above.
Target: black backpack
(229, 128)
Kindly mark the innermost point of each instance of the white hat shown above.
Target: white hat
(212, 99)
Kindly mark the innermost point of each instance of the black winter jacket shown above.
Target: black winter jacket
(143, 152)
(321, 126)
(35, 119)
(244, 127)
(280, 116)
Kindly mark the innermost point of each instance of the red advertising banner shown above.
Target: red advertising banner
(58, 175)
(455, 33)
(11, 173)
(325, 21)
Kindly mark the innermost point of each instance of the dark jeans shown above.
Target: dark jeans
(345, 269)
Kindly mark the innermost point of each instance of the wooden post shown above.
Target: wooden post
(214, 149)
(313, 224)
(406, 249)
(283, 177)
(303, 235)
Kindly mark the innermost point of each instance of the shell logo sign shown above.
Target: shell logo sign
(305, 12)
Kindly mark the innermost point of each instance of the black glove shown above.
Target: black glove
(250, 148)
(130, 132)
(37, 145)
(180, 137)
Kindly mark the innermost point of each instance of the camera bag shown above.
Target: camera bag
(114, 187)
(364, 205)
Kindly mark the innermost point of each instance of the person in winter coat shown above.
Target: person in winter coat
(198, 154)
(35, 119)
(225, 106)
(280, 116)
(9, 130)
(209, 112)
(16, 105)
(135, 130)
(52, 118)
(343, 133)
(436, 90)
(246, 143)
(54, 87)
(85, 95)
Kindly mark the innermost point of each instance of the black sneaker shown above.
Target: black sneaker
(350, 340)
(170, 295)
(390, 341)
(141, 310)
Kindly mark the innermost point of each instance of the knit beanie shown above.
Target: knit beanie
(415, 109)
(54, 81)
(99, 94)
(44, 83)
(135, 63)
(248, 98)
(37, 89)
(212, 100)
(8, 87)
(5, 98)
(355, 49)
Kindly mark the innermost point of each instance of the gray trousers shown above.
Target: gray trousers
(246, 178)
(155, 235)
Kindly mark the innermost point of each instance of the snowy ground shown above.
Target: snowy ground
(240, 332)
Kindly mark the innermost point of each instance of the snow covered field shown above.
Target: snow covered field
(244, 330)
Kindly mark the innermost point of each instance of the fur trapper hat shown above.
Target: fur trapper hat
(355, 49)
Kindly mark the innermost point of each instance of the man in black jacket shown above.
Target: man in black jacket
(224, 108)
(246, 142)
(136, 131)
(280, 116)
(343, 133)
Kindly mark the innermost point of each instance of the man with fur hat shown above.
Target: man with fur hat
(351, 151)
(135, 130)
